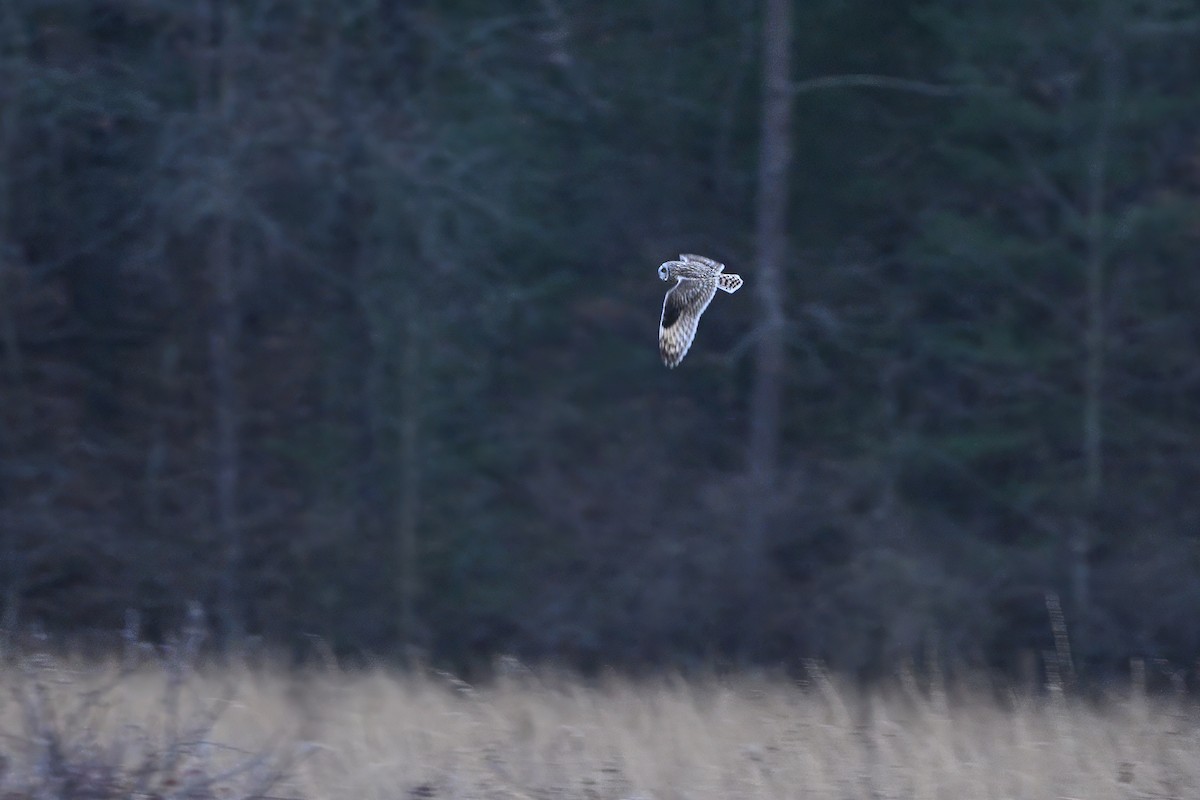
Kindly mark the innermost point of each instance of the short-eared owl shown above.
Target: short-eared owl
(696, 282)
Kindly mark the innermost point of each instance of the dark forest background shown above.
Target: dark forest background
(339, 320)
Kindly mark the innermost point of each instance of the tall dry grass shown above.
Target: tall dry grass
(161, 729)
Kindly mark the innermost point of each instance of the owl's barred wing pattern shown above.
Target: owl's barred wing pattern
(682, 307)
(728, 282)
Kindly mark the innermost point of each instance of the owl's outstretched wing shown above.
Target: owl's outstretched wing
(705, 260)
(682, 307)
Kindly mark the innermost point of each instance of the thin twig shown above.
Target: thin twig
(866, 81)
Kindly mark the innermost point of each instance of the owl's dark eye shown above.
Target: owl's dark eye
(663, 272)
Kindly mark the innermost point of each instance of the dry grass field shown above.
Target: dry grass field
(77, 730)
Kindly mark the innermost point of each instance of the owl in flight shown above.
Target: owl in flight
(696, 282)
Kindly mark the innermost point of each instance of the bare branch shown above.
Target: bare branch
(863, 81)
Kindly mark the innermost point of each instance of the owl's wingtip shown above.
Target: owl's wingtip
(729, 282)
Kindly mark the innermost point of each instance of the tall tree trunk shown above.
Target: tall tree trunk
(224, 343)
(19, 405)
(410, 469)
(1095, 268)
(775, 155)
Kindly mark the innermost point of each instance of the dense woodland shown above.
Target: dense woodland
(339, 320)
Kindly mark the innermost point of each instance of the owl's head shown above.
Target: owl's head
(664, 271)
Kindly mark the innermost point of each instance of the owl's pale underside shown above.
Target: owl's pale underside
(696, 282)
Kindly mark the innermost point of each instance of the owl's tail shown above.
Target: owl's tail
(729, 282)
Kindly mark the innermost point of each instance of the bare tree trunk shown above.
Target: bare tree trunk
(159, 446)
(10, 31)
(20, 407)
(224, 341)
(410, 469)
(775, 155)
(1095, 268)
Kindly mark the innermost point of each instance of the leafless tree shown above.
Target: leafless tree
(774, 162)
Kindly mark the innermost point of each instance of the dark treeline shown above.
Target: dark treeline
(339, 319)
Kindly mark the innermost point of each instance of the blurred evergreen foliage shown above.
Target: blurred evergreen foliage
(451, 430)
